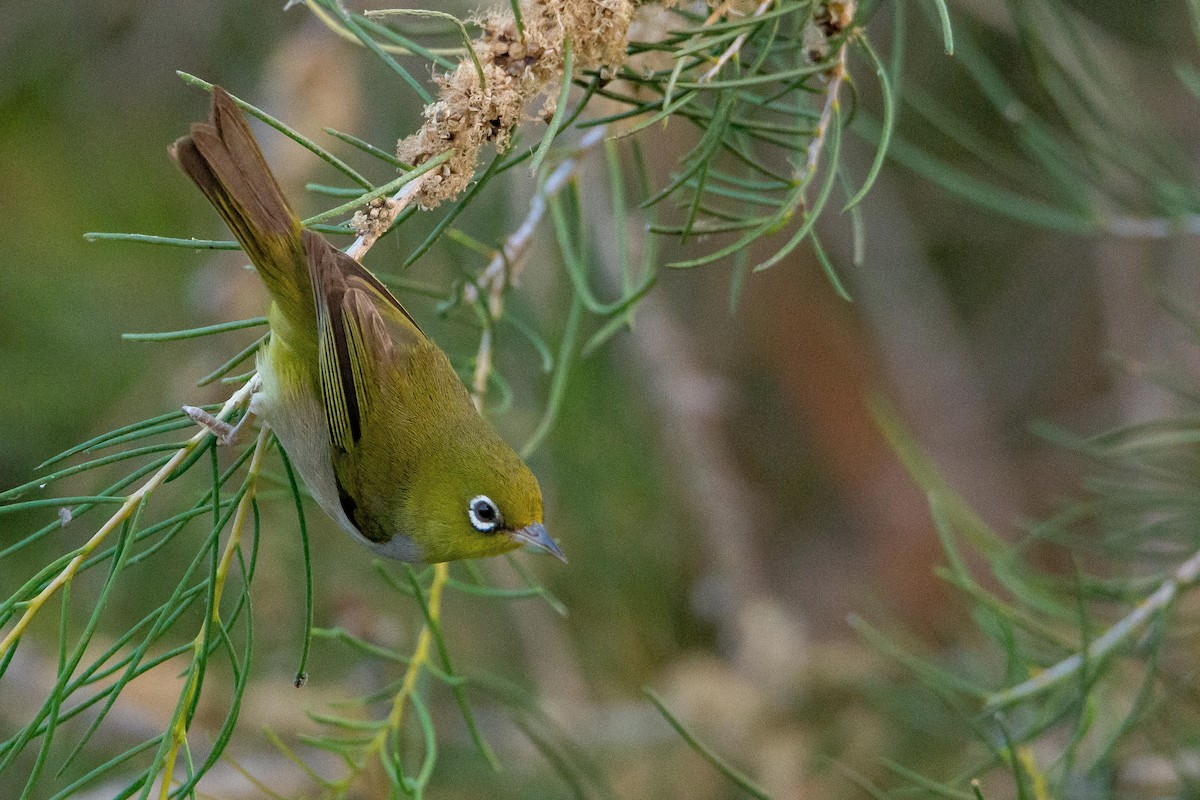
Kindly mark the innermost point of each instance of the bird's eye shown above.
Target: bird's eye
(484, 515)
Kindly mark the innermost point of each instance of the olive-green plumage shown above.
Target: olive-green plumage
(367, 407)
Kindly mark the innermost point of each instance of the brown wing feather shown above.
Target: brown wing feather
(356, 340)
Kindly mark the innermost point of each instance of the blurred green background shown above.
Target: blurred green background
(715, 478)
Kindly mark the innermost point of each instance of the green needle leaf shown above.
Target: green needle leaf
(720, 764)
(192, 333)
(560, 110)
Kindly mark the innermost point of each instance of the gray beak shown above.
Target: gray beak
(536, 535)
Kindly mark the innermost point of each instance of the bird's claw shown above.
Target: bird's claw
(226, 434)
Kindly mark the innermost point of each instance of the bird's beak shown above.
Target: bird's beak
(536, 535)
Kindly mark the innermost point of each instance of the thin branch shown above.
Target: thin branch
(417, 663)
(181, 723)
(1151, 227)
(483, 369)
(736, 45)
(1185, 577)
(332, 24)
(509, 261)
(388, 213)
(127, 509)
(837, 75)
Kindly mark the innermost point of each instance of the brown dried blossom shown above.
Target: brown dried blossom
(375, 219)
(516, 70)
(834, 16)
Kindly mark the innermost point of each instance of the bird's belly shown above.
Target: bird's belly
(290, 405)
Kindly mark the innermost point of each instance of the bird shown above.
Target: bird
(367, 407)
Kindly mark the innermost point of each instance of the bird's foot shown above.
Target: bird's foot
(230, 434)
(226, 434)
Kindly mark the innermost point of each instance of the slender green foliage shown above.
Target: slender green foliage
(721, 765)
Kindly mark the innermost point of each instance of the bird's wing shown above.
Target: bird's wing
(361, 330)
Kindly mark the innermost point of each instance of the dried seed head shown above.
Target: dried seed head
(469, 114)
(834, 16)
(374, 220)
(816, 44)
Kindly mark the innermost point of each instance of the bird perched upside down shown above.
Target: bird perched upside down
(367, 407)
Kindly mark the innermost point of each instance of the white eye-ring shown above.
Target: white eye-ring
(484, 515)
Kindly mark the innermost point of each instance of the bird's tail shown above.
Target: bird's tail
(223, 159)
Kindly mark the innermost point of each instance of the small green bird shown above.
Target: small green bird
(367, 407)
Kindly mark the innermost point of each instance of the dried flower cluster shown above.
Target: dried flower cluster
(376, 219)
(834, 16)
(738, 7)
(829, 20)
(516, 70)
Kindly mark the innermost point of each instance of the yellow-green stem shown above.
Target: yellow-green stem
(179, 725)
(123, 513)
(420, 657)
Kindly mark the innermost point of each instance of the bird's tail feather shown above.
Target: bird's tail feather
(223, 159)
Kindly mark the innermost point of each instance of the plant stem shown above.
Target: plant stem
(131, 504)
(418, 662)
(1185, 577)
(509, 261)
(179, 726)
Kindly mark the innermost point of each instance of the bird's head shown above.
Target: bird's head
(484, 501)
